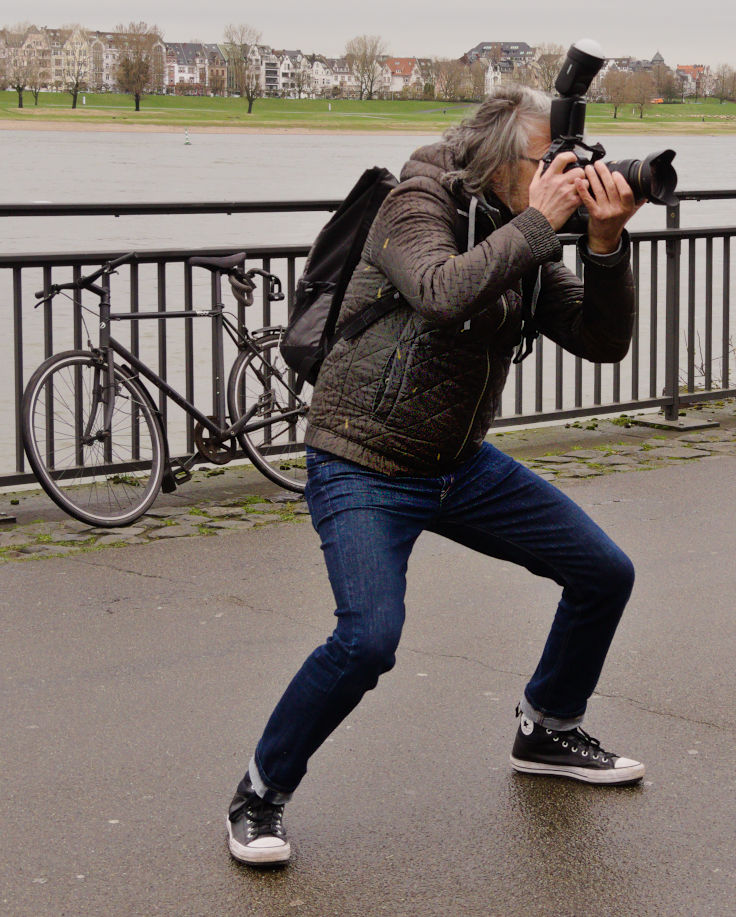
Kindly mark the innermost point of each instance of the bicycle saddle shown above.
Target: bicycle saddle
(218, 264)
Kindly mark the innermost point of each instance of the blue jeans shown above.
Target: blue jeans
(368, 523)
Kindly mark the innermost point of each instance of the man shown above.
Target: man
(396, 439)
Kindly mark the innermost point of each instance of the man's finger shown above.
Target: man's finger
(561, 162)
(596, 187)
(624, 188)
(584, 194)
(604, 174)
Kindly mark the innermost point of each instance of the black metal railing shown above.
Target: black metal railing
(681, 350)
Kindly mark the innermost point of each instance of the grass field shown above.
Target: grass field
(308, 114)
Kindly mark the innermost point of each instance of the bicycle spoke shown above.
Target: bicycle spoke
(103, 476)
(260, 386)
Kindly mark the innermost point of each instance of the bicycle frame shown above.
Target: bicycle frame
(108, 344)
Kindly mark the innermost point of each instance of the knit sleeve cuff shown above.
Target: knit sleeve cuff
(620, 256)
(540, 236)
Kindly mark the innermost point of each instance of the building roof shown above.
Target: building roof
(213, 50)
(401, 66)
(505, 49)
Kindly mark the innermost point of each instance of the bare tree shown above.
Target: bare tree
(140, 59)
(640, 89)
(20, 73)
(76, 63)
(478, 80)
(614, 86)
(525, 73)
(724, 83)
(451, 80)
(363, 54)
(303, 80)
(549, 61)
(699, 85)
(20, 63)
(217, 83)
(38, 77)
(245, 72)
(665, 83)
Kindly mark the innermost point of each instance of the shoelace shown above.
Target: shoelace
(264, 818)
(579, 737)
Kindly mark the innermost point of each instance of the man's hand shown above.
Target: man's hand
(556, 193)
(610, 203)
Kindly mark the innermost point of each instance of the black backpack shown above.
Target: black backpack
(310, 332)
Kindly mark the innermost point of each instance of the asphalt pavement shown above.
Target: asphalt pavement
(137, 678)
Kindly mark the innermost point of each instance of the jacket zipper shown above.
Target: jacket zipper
(477, 405)
(383, 382)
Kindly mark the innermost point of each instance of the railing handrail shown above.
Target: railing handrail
(151, 256)
(122, 208)
(145, 255)
(50, 209)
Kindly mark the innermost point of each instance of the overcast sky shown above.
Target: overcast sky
(685, 33)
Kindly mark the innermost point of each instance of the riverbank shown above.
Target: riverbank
(668, 128)
(111, 112)
(152, 128)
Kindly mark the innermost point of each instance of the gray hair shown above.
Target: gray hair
(496, 135)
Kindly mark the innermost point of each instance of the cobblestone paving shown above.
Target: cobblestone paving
(215, 517)
(52, 539)
(649, 454)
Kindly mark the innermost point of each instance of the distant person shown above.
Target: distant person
(397, 444)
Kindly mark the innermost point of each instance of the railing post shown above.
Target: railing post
(672, 318)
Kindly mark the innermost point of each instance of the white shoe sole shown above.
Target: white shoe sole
(630, 774)
(256, 856)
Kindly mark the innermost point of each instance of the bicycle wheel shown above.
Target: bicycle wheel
(260, 381)
(104, 480)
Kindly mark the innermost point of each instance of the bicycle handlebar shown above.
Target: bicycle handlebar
(241, 282)
(85, 282)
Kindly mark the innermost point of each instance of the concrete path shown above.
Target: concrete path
(137, 678)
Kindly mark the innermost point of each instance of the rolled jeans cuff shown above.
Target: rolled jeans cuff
(275, 797)
(550, 722)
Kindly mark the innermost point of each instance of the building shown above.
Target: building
(513, 53)
(322, 76)
(195, 68)
(398, 74)
(344, 82)
(694, 78)
(73, 59)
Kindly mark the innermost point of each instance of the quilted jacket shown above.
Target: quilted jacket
(416, 392)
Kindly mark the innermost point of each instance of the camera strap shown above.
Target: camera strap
(472, 214)
(472, 211)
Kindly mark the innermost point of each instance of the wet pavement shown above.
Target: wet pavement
(136, 678)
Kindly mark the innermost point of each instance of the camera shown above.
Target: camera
(652, 178)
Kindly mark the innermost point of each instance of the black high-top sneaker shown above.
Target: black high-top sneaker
(255, 832)
(574, 753)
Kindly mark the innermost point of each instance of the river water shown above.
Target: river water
(69, 166)
(63, 166)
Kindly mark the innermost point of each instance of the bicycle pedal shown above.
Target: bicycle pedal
(174, 476)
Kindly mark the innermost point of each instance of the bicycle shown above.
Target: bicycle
(95, 438)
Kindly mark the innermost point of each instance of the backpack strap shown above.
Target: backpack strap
(531, 284)
(366, 317)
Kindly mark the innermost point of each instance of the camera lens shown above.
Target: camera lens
(652, 178)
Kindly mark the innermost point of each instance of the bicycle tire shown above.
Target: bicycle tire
(262, 378)
(105, 481)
